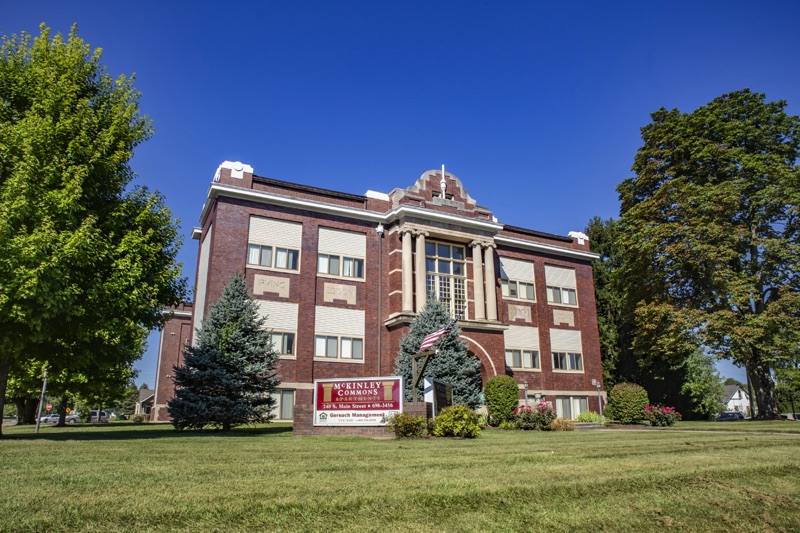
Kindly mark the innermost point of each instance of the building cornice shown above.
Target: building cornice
(395, 214)
(545, 248)
(216, 190)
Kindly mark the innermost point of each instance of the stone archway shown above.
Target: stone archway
(488, 367)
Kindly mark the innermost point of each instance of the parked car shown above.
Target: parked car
(729, 416)
(93, 416)
(50, 419)
(72, 418)
(790, 416)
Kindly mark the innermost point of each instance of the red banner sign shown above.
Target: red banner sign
(357, 401)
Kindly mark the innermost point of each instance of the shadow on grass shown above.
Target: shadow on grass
(91, 432)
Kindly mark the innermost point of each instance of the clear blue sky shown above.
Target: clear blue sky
(536, 106)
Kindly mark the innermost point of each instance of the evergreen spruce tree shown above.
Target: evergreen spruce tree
(452, 364)
(227, 379)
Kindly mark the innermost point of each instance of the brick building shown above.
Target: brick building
(341, 276)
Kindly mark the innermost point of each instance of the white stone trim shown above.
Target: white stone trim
(546, 248)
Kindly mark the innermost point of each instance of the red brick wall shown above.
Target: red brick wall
(174, 337)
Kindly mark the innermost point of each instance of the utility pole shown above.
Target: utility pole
(41, 401)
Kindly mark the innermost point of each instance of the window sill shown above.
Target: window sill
(273, 269)
(339, 278)
(338, 360)
(521, 300)
(525, 369)
(570, 306)
(287, 357)
(560, 371)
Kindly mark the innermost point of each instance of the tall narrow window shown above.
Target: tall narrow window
(446, 274)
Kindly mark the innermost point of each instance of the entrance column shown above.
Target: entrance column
(491, 292)
(421, 293)
(477, 281)
(408, 280)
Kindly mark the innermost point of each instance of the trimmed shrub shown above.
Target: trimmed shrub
(507, 424)
(589, 416)
(626, 403)
(457, 421)
(538, 418)
(562, 424)
(406, 426)
(502, 397)
(660, 416)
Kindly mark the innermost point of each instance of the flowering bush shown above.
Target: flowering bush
(539, 417)
(661, 416)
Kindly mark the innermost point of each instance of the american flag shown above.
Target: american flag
(431, 338)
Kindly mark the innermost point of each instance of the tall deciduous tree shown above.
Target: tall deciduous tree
(228, 378)
(711, 223)
(673, 381)
(87, 263)
(452, 364)
(703, 384)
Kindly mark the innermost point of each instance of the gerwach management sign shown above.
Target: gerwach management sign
(357, 401)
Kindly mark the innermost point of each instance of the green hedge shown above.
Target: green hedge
(502, 397)
(626, 403)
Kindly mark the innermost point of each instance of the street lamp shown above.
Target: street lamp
(526, 392)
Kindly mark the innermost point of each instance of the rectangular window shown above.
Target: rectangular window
(339, 348)
(261, 255)
(561, 295)
(518, 289)
(284, 404)
(567, 361)
(522, 359)
(283, 343)
(351, 267)
(352, 348)
(286, 258)
(569, 407)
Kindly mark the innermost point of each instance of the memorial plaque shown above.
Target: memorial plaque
(439, 393)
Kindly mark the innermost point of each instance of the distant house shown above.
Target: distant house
(145, 402)
(736, 399)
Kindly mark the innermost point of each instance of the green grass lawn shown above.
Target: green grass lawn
(122, 477)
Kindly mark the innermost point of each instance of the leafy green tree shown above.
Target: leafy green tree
(732, 381)
(87, 261)
(710, 223)
(614, 320)
(227, 379)
(452, 364)
(624, 360)
(128, 406)
(787, 388)
(703, 385)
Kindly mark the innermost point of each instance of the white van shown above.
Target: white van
(93, 416)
